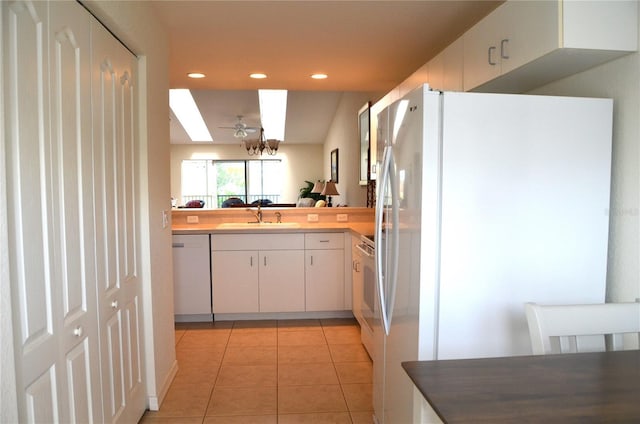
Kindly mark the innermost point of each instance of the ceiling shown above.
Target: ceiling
(368, 46)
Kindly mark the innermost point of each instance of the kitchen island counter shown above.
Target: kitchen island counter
(359, 220)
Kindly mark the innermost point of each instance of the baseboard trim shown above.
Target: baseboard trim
(156, 401)
(283, 315)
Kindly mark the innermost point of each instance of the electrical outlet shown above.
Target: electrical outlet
(192, 219)
(342, 217)
(312, 217)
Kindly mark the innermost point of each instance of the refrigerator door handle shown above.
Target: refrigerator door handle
(391, 271)
(384, 173)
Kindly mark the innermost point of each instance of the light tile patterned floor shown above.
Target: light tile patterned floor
(254, 372)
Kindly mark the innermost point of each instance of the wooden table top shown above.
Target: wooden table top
(568, 388)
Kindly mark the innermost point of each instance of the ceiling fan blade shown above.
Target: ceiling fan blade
(247, 129)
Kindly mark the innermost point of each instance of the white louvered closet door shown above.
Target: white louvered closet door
(117, 245)
(51, 218)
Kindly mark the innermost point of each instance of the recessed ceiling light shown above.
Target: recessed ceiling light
(319, 76)
(258, 76)
(195, 75)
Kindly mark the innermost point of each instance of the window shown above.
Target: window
(214, 181)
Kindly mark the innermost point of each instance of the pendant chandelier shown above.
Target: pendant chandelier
(256, 147)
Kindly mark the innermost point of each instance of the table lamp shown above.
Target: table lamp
(330, 190)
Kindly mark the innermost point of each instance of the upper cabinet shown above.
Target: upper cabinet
(446, 69)
(525, 44)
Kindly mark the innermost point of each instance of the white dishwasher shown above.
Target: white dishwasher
(192, 277)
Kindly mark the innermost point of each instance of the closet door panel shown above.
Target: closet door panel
(38, 306)
(41, 400)
(72, 207)
(115, 187)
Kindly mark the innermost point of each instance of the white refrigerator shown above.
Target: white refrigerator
(485, 202)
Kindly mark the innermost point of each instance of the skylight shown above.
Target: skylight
(187, 112)
(273, 113)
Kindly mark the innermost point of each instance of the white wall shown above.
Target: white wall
(343, 135)
(301, 162)
(620, 80)
(135, 24)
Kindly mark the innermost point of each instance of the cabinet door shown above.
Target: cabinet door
(324, 279)
(481, 51)
(282, 281)
(530, 29)
(453, 66)
(235, 281)
(436, 72)
(191, 274)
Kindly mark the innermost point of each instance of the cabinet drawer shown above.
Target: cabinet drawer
(324, 241)
(257, 241)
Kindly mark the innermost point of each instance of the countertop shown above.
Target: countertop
(362, 228)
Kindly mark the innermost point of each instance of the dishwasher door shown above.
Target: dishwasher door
(192, 277)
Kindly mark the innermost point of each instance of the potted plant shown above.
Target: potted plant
(305, 193)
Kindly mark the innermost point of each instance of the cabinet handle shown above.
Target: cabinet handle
(503, 48)
(177, 245)
(114, 304)
(78, 331)
(324, 241)
(265, 261)
(311, 260)
(251, 260)
(490, 56)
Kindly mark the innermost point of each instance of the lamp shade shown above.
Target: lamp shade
(330, 189)
(317, 187)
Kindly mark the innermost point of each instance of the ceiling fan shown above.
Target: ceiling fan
(240, 129)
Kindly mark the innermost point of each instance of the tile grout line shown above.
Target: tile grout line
(278, 327)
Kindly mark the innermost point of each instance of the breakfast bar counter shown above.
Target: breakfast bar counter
(567, 388)
(240, 220)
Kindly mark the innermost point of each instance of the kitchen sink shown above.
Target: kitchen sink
(261, 225)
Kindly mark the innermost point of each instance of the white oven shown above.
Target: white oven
(368, 305)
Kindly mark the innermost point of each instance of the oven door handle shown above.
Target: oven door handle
(364, 252)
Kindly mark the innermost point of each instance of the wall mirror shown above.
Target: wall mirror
(364, 125)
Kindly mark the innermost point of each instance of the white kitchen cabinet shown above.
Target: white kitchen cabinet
(324, 272)
(191, 275)
(436, 72)
(453, 66)
(282, 281)
(525, 44)
(258, 272)
(235, 281)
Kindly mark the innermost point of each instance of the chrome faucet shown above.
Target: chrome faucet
(257, 214)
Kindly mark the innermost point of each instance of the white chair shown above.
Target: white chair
(582, 328)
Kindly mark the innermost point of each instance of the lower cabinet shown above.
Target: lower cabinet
(235, 281)
(281, 281)
(324, 279)
(257, 273)
(191, 275)
(324, 271)
(278, 272)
